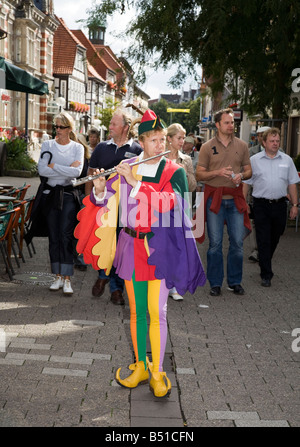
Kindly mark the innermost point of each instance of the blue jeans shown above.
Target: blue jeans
(115, 282)
(236, 231)
(61, 224)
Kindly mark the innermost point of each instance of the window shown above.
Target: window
(49, 57)
(79, 61)
(30, 48)
(63, 88)
(2, 41)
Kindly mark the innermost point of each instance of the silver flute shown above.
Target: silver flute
(89, 178)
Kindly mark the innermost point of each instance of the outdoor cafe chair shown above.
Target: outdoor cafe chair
(7, 220)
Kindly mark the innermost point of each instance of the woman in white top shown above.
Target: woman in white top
(175, 140)
(61, 160)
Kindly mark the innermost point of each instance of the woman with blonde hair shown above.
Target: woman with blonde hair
(61, 160)
(175, 139)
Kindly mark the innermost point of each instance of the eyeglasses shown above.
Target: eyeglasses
(61, 127)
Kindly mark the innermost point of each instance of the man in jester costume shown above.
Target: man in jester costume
(155, 250)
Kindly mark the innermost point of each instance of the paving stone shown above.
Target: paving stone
(91, 355)
(25, 345)
(62, 359)
(86, 323)
(188, 371)
(251, 423)
(18, 356)
(65, 372)
(234, 415)
(10, 361)
(155, 409)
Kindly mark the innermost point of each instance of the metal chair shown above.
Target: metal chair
(7, 220)
(24, 225)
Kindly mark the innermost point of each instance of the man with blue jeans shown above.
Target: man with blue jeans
(223, 164)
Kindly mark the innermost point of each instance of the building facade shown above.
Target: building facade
(30, 27)
(82, 73)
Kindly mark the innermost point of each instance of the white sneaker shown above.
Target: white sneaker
(254, 256)
(57, 283)
(173, 294)
(67, 287)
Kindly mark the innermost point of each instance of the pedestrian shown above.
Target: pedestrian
(274, 175)
(93, 138)
(61, 160)
(107, 155)
(45, 136)
(259, 135)
(222, 166)
(175, 141)
(189, 148)
(252, 236)
(155, 250)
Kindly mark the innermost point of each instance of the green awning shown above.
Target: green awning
(20, 80)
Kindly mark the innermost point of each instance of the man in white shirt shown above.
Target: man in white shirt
(274, 175)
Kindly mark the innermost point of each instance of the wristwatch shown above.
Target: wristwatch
(242, 176)
(295, 204)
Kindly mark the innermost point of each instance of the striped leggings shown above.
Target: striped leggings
(154, 295)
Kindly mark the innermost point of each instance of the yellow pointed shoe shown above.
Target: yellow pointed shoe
(132, 366)
(160, 384)
(139, 376)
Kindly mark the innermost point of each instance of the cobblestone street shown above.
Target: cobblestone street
(232, 360)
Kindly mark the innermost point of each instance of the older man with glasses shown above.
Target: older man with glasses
(107, 155)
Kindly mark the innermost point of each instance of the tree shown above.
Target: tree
(189, 121)
(160, 108)
(105, 114)
(252, 47)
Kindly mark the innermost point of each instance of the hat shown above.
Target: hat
(189, 140)
(149, 122)
(262, 129)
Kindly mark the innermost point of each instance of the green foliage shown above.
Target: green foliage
(251, 46)
(105, 115)
(189, 121)
(17, 156)
(160, 108)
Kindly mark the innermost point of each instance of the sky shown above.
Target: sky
(72, 10)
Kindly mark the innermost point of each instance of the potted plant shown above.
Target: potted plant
(18, 161)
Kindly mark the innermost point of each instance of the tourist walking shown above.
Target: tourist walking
(223, 164)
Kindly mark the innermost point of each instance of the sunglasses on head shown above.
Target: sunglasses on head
(61, 127)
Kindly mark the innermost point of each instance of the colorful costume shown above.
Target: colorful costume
(155, 251)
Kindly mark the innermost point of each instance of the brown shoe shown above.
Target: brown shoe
(99, 286)
(117, 298)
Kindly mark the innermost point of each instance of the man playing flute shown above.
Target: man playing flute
(155, 250)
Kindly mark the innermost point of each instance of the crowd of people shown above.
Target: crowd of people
(134, 225)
